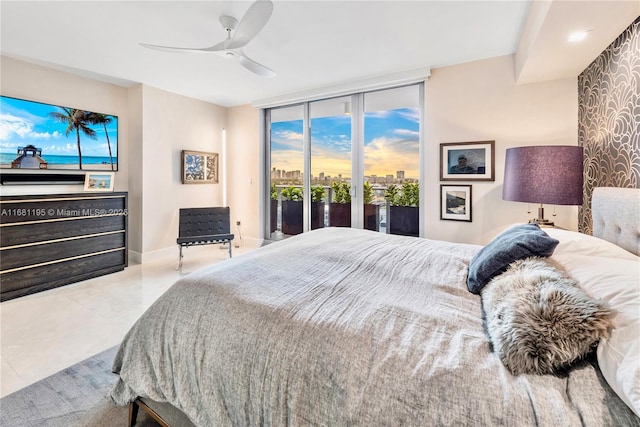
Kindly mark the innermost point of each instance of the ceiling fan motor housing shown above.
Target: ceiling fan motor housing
(228, 23)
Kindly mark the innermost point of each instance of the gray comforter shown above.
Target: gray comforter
(341, 327)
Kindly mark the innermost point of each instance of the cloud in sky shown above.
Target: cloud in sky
(384, 156)
(12, 127)
(407, 133)
(286, 146)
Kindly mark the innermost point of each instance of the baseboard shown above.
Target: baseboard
(172, 251)
(248, 242)
(135, 257)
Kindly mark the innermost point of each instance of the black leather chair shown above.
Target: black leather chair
(203, 226)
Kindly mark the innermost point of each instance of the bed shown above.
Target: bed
(351, 327)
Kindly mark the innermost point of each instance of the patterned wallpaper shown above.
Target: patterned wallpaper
(609, 119)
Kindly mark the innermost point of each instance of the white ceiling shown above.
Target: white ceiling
(308, 43)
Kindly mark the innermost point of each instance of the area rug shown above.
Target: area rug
(76, 396)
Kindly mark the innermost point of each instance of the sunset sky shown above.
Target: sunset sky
(390, 144)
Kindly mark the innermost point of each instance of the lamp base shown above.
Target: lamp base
(541, 222)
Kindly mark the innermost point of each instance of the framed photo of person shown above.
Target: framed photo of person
(467, 161)
(456, 202)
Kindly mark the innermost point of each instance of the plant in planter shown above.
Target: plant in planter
(291, 210)
(403, 211)
(273, 217)
(340, 208)
(317, 206)
(371, 211)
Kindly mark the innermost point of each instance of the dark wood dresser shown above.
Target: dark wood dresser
(53, 240)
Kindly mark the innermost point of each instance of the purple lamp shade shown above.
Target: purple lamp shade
(550, 174)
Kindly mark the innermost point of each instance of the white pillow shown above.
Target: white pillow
(617, 281)
(584, 244)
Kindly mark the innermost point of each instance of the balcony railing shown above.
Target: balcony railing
(376, 217)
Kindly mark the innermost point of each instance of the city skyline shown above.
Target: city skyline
(295, 177)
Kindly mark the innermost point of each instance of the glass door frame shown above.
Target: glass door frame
(357, 160)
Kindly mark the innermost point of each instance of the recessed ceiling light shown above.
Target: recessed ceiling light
(578, 36)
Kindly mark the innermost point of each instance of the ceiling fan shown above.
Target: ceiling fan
(238, 35)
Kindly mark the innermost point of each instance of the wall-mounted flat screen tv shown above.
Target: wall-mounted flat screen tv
(41, 136)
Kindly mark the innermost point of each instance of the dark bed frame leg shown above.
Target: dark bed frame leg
(133, 413)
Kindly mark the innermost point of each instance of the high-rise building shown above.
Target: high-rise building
(399, 175)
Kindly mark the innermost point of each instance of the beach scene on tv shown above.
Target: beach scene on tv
(35, 135)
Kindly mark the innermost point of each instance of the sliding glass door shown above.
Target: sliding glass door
(392, 160)
(349, 161)
(330, 162)
(286, 138)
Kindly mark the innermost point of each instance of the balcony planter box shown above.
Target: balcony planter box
(404, 220)
(317, 215)
(274, 215)
(340, 214)
(291, 217)
(371, 217)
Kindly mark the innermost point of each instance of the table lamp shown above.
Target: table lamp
(546, 174)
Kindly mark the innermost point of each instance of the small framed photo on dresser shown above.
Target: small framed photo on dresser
(456, 202)
(467, 161)
(98, 181)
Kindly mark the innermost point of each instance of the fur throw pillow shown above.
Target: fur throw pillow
(538, 319)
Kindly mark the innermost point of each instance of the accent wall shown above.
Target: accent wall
(609, 119)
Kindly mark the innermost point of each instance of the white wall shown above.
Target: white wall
(135, 199)
(172, 123)
(480, 101)
(243, 171)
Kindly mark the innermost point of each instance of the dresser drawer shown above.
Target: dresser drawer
(24, 256)
(36, 279)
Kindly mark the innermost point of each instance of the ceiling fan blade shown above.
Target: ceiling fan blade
(253, 66)
(214, 48)
(251, 23)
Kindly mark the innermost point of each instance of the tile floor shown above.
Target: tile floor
(43, 333)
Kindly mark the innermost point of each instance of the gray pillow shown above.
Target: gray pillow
(538, 319)
(518, 242)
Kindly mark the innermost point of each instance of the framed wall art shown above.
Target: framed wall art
(455, 202)
(99, 181)
(467, 161)
(199, 167)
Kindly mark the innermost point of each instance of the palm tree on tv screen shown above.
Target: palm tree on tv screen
(104, 120)
(78, 121)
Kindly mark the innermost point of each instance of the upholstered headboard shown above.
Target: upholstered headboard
(616, 216)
